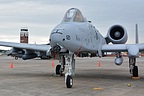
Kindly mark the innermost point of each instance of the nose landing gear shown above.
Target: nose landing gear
(68, 63)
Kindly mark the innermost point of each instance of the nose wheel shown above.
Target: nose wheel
(69, 81)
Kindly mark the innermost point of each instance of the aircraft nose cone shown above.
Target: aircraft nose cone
(56, 37)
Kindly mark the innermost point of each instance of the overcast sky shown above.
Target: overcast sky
(41, 16)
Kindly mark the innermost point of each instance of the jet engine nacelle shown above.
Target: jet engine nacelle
(29, 56)
(118, 60)
(117, 34)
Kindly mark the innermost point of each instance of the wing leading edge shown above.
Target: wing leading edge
(36, 47)
(132, 49)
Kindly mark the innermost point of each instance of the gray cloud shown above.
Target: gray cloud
(40, 16)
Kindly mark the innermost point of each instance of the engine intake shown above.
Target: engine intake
(117, 35)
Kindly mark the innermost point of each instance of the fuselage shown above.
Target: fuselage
(76, 34)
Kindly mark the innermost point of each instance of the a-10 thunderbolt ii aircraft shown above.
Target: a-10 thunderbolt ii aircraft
(75, 36)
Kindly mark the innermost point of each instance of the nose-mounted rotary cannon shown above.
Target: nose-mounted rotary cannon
(54, 50)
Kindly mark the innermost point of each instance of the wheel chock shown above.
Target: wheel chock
(98, 89)
(129, 85)
(135, 78)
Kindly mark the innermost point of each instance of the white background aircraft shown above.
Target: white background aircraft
(77, 36)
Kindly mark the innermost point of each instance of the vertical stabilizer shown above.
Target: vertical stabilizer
(137, 39)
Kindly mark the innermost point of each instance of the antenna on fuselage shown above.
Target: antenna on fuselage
(136, 38)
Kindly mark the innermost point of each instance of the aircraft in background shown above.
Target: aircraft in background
(18, 53)
(76, 36)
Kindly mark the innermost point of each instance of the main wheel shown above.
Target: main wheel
(135, 71)
(69, 81)
(58, 67)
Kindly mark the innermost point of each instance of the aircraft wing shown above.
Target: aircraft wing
(132, 49)
(36, 47)
(114, 48)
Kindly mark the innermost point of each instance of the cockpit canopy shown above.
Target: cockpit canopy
(73, 15)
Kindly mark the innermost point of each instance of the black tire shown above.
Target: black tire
(58, 67)
(69, 81)
(135, 71)
(16, 58)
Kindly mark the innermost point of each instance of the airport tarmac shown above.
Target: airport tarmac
(36, 77)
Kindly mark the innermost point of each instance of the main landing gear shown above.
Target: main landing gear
(68, 63)
(60, 68)
(133, 67)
